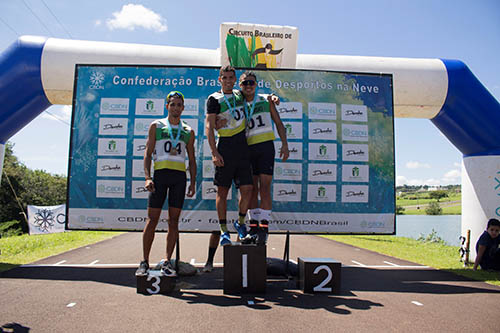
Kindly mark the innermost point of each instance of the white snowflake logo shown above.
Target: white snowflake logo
(44, 219)
(96, 78)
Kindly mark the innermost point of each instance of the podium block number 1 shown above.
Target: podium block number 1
(244, 270)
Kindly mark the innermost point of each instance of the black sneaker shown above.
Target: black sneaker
(167, 269)
(249, 239)
(143, 269)
(262, 236)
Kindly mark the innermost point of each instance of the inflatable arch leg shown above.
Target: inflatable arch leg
(2, 154)
(480, 195)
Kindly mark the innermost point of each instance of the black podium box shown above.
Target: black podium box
(155, 283)
(319, 275)
(245, 269)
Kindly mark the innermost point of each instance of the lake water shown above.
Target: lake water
(448, 227)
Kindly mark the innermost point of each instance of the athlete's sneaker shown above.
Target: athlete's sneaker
(208, 267)
(225, 239)
(241, 228)
(249, 239)
(167, 269)
(143, 269)
(262, 236)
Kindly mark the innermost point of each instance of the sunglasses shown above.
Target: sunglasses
(248, 83)
(175, 94)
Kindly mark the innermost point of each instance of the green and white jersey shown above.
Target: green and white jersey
(260, 126)
(165, 142)
(231, 109)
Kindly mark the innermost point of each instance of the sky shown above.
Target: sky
(447, 29)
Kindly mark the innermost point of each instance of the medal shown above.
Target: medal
(232, 109)
(249, 113)
(174, 141)
(173, 151)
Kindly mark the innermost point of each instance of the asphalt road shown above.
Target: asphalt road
(93, 289)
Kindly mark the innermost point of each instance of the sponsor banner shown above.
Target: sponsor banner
(107, 147)
(110, 189)
(355, 173)
(290, 110)
(354, 193)
(355, 153)
(150, 107)
(319, 151)
(116, 106)
(111, 168)
(323, 131)
(113, 126)
(111, 147)
(294, 150)
(352, 112)
(325, 111)
(46, 219)
(354, 132)
(288, 171)
(287, 192)
(258, 46)
(322, 172)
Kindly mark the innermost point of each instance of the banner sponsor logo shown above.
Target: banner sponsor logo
(113, 126)
(111, 147)
(141, 126)
(322, 111)
(96, 80)
(193, 123)
(290, 110)
(46, 219)
(83, 219)
(117, 106)
(372, 224)
(209, 191)
(150, 107)
(322, 172)
(110, 189)
(321, 193)
(294, 150)
(191, 107)
(322, 131)
(354, 112)
(138, 168)
(355, 193)
(354, 132)
(355, 153)
(293, 130)
(322, 151)
(139, 147)
(287, 192)
(208, 169)
(110, 168)
(355, 173)
(138, 190)
(288, 171)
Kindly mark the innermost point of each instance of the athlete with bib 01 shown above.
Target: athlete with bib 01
(169, 140)
(230, 154)
(260, 115)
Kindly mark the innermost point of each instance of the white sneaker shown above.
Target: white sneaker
(208, 267)
(167, 269)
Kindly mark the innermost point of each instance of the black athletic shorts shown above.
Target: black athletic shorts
(262, 158)
(171, 181)
(239, 171)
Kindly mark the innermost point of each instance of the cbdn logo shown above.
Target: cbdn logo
(96, 78)
(355, 133)
(109, 189)
(322, 111)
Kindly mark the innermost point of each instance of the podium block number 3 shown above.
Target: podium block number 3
(155, 284)
(321, 287)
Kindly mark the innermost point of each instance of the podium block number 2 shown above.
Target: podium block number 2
(321, 287)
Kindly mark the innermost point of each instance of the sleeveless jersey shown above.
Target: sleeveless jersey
(162, 157)
(260, 127)
(235, 124)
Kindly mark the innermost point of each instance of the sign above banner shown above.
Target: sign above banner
(258, 46)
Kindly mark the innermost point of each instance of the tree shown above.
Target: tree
(434, 209)
(438, 195)
(400, 210)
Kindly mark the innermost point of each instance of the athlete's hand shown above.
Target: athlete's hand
(150, 186)
(191, 189)
(220, 122)
(217, 159)
(273, 99)
(284, 153)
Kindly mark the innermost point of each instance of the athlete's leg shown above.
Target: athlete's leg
(148, 234)
(221, 206)
(173, 230)
(265, 191)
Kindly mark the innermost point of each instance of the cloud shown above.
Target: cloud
(402, 180)
(432, 182)
(98, 23)
(137, 16)
(452, 176)
(58, 113)
(458, 165)
(417, 165)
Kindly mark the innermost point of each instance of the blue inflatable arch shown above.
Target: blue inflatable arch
(37, 72)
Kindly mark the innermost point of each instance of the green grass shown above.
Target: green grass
(437, 255)
(24, 249)
(407, 202)
(451, 210)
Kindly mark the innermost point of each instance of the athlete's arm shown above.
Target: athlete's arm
(210, 127)
(479, 256)
(150, 147)
(192, 165)
(284, 153)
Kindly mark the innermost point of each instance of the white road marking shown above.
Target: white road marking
(273, 248)
(358, 263)
(70, 305)
(93, 262)
(251, 302)
(60, 262)
(192, 261)
(417, 303)
(390, 263)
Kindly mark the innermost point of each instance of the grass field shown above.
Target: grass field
(451, 210)
(433, 254)
(24, 249)
(422, 199)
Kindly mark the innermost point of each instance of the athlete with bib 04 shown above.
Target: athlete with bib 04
(260, 115)
(169, 140)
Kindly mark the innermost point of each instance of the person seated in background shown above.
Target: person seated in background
(487, 247)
